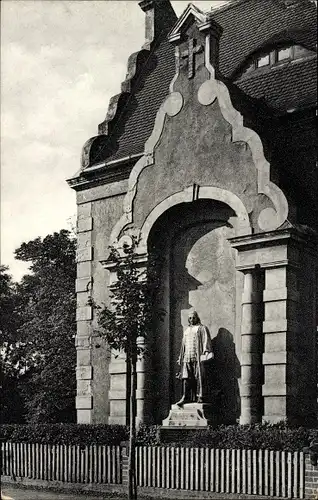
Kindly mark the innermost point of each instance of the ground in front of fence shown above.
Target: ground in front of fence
(62, 491)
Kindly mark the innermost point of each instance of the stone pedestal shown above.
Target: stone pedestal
(190, 415)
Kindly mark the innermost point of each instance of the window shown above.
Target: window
(276, 56)
(283, 54)
(262, 61)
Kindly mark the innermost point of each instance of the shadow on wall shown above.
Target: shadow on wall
(222, 378)
(196, 271)
(195, 274)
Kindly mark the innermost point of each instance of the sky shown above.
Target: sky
(61, 61)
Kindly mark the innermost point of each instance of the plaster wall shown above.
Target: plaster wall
(196, 146)
(204, 155)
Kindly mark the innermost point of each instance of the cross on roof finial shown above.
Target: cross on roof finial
(193, 49)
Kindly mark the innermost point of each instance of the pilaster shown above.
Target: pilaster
(280, 329)
(251, 348)
(288, 261)
(118, 397)
(118, 389)
(84, 313)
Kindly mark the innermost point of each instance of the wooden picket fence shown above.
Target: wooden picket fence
(255, 472)
(65, 463)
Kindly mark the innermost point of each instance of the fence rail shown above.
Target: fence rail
(66, 463)
(254, 472)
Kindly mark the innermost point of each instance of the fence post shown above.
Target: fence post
(124, 447)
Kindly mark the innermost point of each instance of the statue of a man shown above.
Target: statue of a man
(196, 348)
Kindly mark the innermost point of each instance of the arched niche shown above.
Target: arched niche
(197, 270)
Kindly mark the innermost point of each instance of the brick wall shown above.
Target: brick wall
(125, 458)
(311, 479)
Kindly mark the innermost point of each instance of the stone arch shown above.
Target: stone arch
(188, 195)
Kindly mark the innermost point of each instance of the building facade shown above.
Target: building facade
(208, 156)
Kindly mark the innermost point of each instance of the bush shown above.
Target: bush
(148, 435)
(257, 436)
(80, 434)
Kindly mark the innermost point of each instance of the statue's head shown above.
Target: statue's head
(193, 318)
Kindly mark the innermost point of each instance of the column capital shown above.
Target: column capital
(141, 261)
(273, 249)
(299, 234)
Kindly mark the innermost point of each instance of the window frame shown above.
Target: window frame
(276, 51)
(272, 54)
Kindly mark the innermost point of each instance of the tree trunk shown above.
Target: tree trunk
(132, 487)
(128, 388)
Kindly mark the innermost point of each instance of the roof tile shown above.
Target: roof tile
(291, 86)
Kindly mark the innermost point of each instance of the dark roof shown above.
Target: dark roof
(151, 86)
(290, 86)
(252, 24)
(247, 26)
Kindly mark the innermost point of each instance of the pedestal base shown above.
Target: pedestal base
(190, 415)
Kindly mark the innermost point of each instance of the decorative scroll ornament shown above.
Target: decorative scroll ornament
(270, 218)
